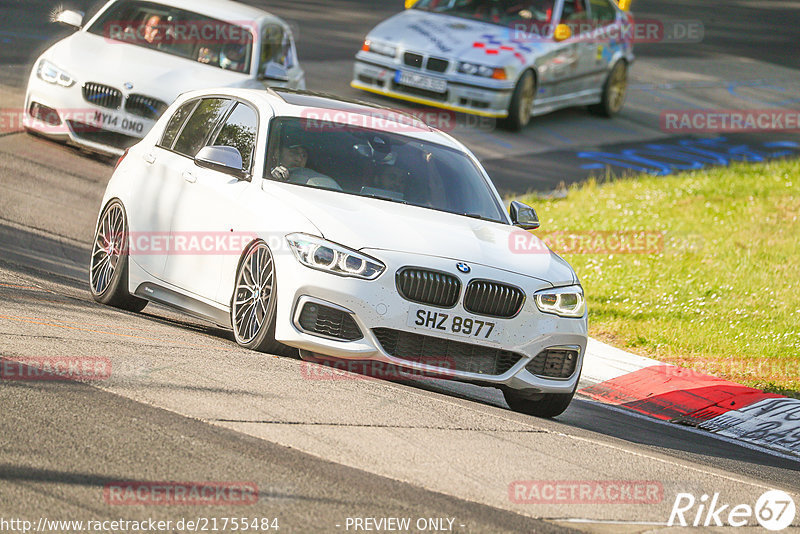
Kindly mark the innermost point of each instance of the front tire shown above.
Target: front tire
(614, 90)
(254, 301)
(108, 270)
(548, 405)
(521, 106)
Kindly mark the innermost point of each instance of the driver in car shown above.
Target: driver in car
(292, 161)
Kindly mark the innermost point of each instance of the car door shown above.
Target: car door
(208, 212)
(567, 63)
(156, 193)
(607, 41)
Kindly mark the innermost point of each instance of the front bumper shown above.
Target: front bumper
(377, 304)
(465, 94)
(80, 123)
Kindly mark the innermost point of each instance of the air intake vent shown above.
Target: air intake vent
(412, 60)
(330, 322)
(428, 287)
(493, 299)
(102, 95)
(454, 355)
(554, 363)
(437, 65)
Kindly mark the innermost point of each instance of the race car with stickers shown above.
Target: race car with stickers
(504, 59)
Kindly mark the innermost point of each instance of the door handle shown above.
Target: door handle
(189, 176)
(149, 158)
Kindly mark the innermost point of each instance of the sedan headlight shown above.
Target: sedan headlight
(475, 69)
(323, 255)
(379, 48)
(51, 74)
(562, 301)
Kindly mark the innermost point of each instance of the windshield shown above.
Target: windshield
(178, 33)
(502, 12)
(377, 164)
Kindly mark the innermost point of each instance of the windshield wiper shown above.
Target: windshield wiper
(381, 197)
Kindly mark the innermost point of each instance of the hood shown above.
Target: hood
(373, 224)
(448, 36)
(93, 58)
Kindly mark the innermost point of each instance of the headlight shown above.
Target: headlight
(52, 74)
(323, 255)
(379, 48)
(562, 301)
(474, 69)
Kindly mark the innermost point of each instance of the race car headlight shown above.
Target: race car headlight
(379, 48)
(484, 71)
(51, 74)
(562, 301)
(320, 254)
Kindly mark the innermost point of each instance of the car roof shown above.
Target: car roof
(226, 10)
(326, 107)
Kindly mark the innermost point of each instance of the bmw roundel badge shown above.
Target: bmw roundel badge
(463, 267)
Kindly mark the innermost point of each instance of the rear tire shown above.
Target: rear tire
(614, 90)
(254, 301)
(549, 405)
(108, 269)
(521, 106)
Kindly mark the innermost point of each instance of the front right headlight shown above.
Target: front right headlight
(324, 255)
(561, 301)
(51, 74)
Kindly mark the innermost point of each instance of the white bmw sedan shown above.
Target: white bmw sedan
(103, 87)
(343, 230)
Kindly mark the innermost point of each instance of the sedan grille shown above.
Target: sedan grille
(102, 95)
(329, 322)
(554, 363)
(437, 65)
(428, 287)
(493, 299)
(145, 106)
(454, 355)
(412, 60)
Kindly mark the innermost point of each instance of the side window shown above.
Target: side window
(574, 11)
(274, 45)
(603, 12)
(239, 132)
(175, 123)
(199, 126)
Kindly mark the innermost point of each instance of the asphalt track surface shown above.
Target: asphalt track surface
(185, 403)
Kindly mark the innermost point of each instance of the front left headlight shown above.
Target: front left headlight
(323, 255)
(561, 301)
(51, 74)
(378, 47)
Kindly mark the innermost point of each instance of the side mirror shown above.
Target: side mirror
(275, 71)
(523, 216)
(410, 3)
(69, 17)
(562, 32)
(221, 158)
(625, 5)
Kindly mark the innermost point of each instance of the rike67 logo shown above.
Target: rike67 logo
(774, 510)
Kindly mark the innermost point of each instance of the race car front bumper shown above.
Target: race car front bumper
(464, 95)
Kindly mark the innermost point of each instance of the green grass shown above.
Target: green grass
(723, 294)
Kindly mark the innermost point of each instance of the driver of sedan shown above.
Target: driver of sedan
(292, 160)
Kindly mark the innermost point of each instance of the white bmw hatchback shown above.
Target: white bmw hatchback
(103, 87)
(343, 230)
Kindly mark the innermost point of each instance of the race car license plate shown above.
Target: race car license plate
(412, 79)
(448, 322)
